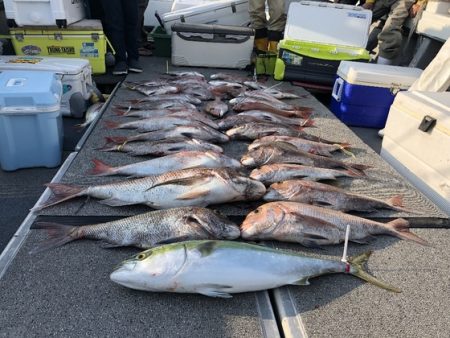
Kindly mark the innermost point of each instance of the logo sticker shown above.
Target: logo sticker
(52, 50)
(357, 15)
(24, 59)
(88, 50)
(31, 50)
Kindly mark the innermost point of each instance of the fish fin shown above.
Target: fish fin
(173, 240)
(214, 290)
(206, 248)
(308, 123)
(112, 124)
(356, 166)
(400, 227)
(58, 235)
(100, 168)
(355, 173)
(303, 281)
(114, 202)
(107, 245)
(396, 201)
(61, 192)
(183, 181)
(316, 151)
(364, 240)
(195, 193)
(356, 264)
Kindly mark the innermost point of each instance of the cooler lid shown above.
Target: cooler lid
(421, 104)
(375, 75)
(64, 66)
(25, 92)
(212, 29)
(328, 23)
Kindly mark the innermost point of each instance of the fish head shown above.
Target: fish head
(151, 270)
(260, 223)
(273, 193)
(216, 225)
(225, 161)
(248, 188)
(257, 156)
(236, 131)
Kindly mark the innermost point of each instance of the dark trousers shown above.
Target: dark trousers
(122, 27)
(142, 33)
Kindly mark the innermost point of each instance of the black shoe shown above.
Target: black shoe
(120, 68)
(134, 66)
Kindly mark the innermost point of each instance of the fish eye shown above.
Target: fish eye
(143, 255)
(140, 256)
(256, 211)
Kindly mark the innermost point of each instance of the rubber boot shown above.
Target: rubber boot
(261, 44)
(272, 46)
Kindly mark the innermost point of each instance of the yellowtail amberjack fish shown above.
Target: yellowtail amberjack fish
(220, 268)
(145, 230)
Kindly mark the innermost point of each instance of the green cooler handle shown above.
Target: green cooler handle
(110, 45)
(337, 89)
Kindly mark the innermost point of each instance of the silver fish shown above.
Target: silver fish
(328, 196)
(216, 108)
(252, 131)
(189, 187)
(152, 90)
(323, 149)
(160, 148)
(311, 225)
(145, 230)
(91, 114)
(274, 118)
(277, 172)
(262, 96)
(148, 105)
(280, 152)
(253, 104)
(160, 165)
(255, 85)
(228, 77)
(220, 268)
(186, 74)
(195, 130)
(157, 113)
(169, 97)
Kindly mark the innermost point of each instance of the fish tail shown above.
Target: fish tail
(112, 125)
(400, 228)
(356, 166)
(61, 192)
(304, 112)
(357, 270)
(58, 235)
(308, 123)
(100, 168)
(396, 201)
(355, 173)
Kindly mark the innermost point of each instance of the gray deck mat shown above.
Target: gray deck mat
(67, 292)
(344, 306)
(382, 182)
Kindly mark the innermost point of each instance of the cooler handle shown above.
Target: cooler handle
(337, 89)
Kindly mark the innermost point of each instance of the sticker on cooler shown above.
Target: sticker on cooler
(16, 82)
(58, 50)
(31, 50)
(88, 50)
(292, 58)
(28, 60)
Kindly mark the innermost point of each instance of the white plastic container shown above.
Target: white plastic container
(183, 4)
(31, 132)
(230, 13)
(363, 92)
(328, 23)
(438, 7)
(43, 12)
(226, 46)
(156, 6)
(436, 26)
(416, 142)
(75, 75)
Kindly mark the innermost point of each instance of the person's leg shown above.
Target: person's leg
(258, 21)
(131, 16)
(277, 22)
(142, 33)
(390, 38)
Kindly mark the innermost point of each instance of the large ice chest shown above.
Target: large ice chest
(43, 12)
(229, 13)
(416, 142)
(211, 45)
(313, 48)
(363, 92)
(75, 74)
(433, 25)
(31, 132)
(84, 39)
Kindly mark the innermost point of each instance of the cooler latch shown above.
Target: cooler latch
(427, 123)
(95, 37)
(182, 19)
(19, 36)
(233, 7)
(58, 36)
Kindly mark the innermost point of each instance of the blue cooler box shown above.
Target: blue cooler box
(363, 92)
(31, 132)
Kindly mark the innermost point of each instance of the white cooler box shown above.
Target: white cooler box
(43, 12)
(211, 45)
(75, 76)
(435, 26)
(416, 142)
(232, 13)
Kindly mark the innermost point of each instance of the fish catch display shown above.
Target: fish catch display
(145, 230)
(221, 268)
(314, 226)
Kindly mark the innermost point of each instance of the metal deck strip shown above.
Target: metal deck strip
(290, 319)
(265, 310)
(21, 234)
